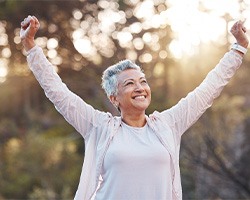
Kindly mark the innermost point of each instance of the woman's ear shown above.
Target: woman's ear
(113, 100)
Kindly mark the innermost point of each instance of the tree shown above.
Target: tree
(110, 31)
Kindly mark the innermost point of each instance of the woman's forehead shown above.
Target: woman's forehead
(130, 74)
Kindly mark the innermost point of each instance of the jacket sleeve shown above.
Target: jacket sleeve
(79, 114)
(188, 110)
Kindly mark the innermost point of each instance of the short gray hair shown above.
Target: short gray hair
(109, 77)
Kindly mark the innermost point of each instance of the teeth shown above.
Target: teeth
(140, 97)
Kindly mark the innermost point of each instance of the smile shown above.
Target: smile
(140, 97)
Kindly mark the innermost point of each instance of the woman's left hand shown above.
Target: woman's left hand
(239, 32)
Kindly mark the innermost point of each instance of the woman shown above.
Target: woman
(133, 156)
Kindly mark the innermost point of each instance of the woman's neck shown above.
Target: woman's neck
(134, 120)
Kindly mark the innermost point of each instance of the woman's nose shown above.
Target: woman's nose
(139, 87)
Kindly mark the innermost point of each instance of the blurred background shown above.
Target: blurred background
(175, 41)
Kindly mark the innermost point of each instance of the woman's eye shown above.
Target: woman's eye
(129, 83)
(144, 81)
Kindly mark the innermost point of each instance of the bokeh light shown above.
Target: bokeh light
(3, 69)
(192, 23)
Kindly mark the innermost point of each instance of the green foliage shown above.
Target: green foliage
(9, 7)
(37, 165)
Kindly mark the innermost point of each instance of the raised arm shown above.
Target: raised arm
(78, 113)
(29, 28)
(188, 110)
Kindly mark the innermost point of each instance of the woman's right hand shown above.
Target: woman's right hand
(29, 27)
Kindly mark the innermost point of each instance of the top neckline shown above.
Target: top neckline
(137, 129)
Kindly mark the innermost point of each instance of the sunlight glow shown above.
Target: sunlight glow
(56, 60)
(108, 18)
(163, 54)
(176, 48)
(132, 55)
(52, 53)
(41, 41)
(192, 26)
(52, 43)
(192, 23)
(84, 46)
(138, 43)
(77, 14)
(221, 7)
(146, 58)
(124, 38)
(6, 52)
(135, 27)
(3, 69)
(3, 39)
(157, 21)
(147, 37)
(158, 69)
(144, 10)
(78, 33)
(17, 39)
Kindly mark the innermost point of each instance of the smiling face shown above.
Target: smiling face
(133, 93)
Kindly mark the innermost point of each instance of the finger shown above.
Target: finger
(234, 28)
(25, 23)
(32, 22)
(241, 27)
(29, 18)
(235, 25)
(34, 17)
(239, 24)
(37, 24)
(244, 29)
